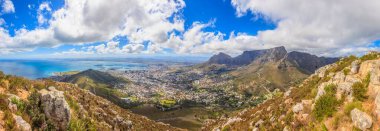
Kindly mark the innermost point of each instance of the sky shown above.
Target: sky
(126, 28)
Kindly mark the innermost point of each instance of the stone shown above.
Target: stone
(307, 102)
(339, 77)
(361, 119)
(258, 123)
(321, 90)
(297, 108)
(21, 124)
(55, 107)
(287, 93)
(355, 67)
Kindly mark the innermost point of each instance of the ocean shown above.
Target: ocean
(41, 68)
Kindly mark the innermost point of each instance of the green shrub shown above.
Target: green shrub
(369, 56)
(343, 63)
(9, 121)
(20, 105)
(326, 105)
(359, 91)
(350, 106)
(346, 71)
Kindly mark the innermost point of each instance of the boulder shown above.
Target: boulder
(355, 67)
(339, 77)
(55, 107)
(297, 108)
(321, 90)
(361, 119)
(344, 88)
(21, 124)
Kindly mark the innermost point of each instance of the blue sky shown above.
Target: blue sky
(191, 27)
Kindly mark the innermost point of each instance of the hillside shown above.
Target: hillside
(100, 83)
(340, 96)
(48, 105)
(260, 72)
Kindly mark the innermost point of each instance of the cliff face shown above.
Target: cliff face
(341, 96)
(304, 61)
(307, 62)
(47, 105)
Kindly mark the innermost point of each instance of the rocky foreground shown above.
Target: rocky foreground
(341, 96)
(46, 105)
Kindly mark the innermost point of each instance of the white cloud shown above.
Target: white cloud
(88, 21)
(316, 26)
(7, 6)
(43, 8)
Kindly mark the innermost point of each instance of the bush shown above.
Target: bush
(351, 106)
(326, 104)
(343, 63)
(359, 91)
(20, 105)
(346, 71)
(369, 56)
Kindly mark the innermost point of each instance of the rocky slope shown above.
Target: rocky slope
(304, 61)
(340, 96)
(260, 72)
(47, 105)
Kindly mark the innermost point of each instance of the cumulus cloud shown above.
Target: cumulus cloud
(88, 21)
(7, 6)
(43, 8)
(321, 26)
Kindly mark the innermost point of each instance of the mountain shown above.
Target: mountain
(102, 84)
(304, 61)
(260, 72)
(47, 105)
(248, 57)
(307, 62)
(344, 95)
(220, 58)
(98, 77)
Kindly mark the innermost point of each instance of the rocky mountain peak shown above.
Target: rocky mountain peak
(220, 58)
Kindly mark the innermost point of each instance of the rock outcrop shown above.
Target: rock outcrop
(297, 108)
(55, 107)
(361, 119)
(21, 124)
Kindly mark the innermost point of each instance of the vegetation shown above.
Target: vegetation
(326, 105)
(370, 56)
(350, 106)
(346, 71)
(20, 105)
(360, 89)
(167, 103)
(343, 63)
(35, 111)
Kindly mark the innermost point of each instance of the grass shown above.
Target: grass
(345, 62)
(20, 105)
(360, 88)
(346, 71)
(369, 56)
(326, 105)
(359, 91)
(350, 106)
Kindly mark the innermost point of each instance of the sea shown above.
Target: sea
(42, 68)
